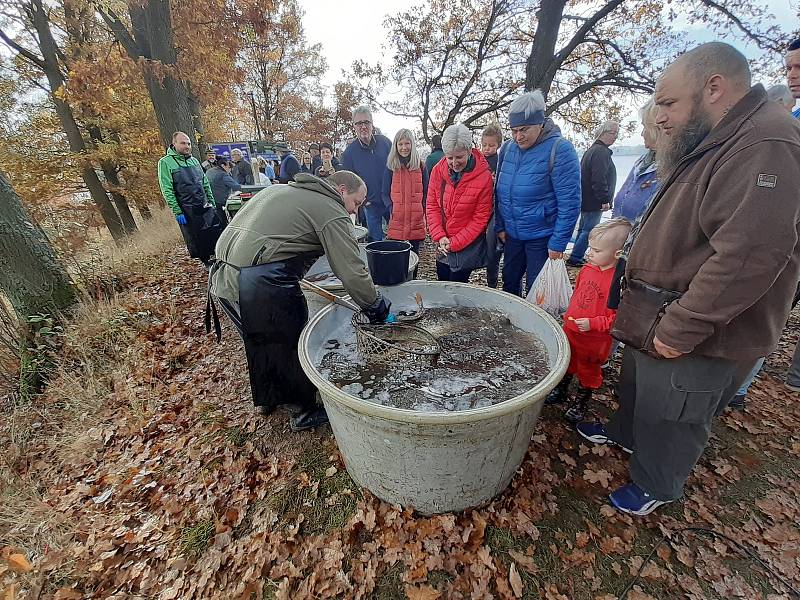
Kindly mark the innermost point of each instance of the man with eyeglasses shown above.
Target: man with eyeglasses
(367, 157)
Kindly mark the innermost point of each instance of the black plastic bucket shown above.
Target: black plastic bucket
(388, 261)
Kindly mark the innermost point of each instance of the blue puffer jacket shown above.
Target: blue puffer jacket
(531, 203)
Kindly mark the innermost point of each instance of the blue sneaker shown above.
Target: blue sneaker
(596, 433)
(634, 500)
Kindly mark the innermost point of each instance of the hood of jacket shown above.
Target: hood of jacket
(549, 130)
(177, 155)
(311, 183)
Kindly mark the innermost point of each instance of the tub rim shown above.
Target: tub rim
(512, 405)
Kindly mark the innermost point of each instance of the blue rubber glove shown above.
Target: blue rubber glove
(392, 318)
(181, 219)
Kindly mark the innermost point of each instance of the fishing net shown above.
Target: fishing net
(397, 343)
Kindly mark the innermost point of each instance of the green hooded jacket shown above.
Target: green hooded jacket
(307, 216)
(173, 161)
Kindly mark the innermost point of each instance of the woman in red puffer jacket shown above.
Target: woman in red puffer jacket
(405, 183)
(459, 206)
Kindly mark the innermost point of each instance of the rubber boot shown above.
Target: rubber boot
(578, 411)
(308, 419)
(559, 393)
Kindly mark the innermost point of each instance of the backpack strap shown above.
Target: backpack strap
(501, 153)
(552, 160)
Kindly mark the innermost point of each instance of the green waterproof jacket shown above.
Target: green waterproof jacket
(306, 217)
(171, 162)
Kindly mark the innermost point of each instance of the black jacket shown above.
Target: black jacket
(243, 172)
(598, 177)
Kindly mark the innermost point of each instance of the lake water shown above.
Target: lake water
(624, 165)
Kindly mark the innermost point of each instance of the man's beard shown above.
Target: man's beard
(672, 148)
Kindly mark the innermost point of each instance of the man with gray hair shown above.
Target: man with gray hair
(538, 192)
(782, 95)
(711, 274)
(367, 157)
(598, 184)
(242, 169)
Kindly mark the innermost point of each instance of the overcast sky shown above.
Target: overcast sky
(353, 29)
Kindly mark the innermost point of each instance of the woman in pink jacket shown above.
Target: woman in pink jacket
(459, 206)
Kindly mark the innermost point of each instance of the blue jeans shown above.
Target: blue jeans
(523, 257)
(750, 377)
(589, 221)
(376, 212)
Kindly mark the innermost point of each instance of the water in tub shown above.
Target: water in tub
(484, 360)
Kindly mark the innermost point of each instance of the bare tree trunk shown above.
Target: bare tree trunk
(144, 210)
(31, 276)
(120, 201)
(152, 40)
(51, 68)
(548, 22)
(197, 122)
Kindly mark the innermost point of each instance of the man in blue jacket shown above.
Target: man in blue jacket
(366, 157)
(538, 192)
(290, 166)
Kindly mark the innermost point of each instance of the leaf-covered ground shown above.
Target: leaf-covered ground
(170, 486)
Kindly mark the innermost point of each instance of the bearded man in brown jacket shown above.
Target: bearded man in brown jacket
(711, 273)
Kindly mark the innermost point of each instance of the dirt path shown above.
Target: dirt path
(172, 487)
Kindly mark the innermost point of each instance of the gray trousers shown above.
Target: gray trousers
(793, 376)
(665, 412)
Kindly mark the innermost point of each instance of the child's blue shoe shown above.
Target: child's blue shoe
(596, 433)
(634, 500)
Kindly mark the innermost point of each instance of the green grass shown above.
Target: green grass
(501, 541)
(389, 585)
(237, 436)
(196, 537)
(321, 515)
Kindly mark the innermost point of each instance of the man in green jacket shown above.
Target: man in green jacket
(188, 193)
(261, 257)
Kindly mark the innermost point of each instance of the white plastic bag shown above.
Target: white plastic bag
(552, 289)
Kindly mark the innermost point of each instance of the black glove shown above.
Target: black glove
(378, 310)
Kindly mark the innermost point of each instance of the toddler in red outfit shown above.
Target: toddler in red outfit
(588, 319)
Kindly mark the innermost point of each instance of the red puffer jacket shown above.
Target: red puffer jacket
(408, 215)
(467, 206)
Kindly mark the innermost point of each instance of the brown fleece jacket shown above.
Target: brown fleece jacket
(724, 230)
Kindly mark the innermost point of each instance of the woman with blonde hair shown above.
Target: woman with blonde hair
(405, 184)
(641, 185)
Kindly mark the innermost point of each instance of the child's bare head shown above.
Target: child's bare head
(606, 241)
(491, 139)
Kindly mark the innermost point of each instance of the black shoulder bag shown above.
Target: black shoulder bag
(474, 256)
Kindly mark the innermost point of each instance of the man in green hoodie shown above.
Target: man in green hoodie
(188, 193)
(261, 257)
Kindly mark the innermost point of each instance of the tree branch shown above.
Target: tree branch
(581, 33)
(608, 80)
(120, 32)
(25, 53)
(760, 40)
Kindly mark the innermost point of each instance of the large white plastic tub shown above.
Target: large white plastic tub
(316, 302)
(436, 462)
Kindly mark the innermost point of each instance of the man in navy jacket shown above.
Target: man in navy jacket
(366, 157)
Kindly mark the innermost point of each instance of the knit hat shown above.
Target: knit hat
(518, 119)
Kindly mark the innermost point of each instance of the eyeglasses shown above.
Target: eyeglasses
(362, 123)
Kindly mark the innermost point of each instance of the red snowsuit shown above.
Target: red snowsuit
(590, 348)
